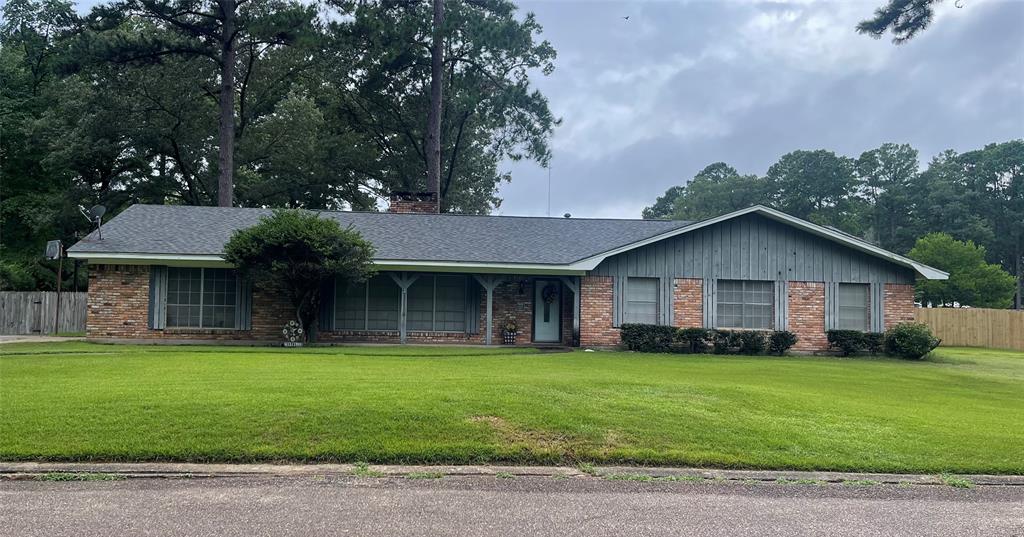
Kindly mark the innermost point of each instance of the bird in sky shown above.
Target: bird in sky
(626, 17)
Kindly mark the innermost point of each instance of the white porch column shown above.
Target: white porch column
(404, 280)
(488, 282)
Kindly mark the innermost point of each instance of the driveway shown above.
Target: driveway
(485, 506)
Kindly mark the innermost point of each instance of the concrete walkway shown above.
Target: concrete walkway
(37, 339)
(31, 470)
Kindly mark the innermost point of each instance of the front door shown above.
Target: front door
(547, 295)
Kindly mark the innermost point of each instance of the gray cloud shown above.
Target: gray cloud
(650, 101)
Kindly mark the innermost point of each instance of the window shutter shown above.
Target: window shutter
(831, 305)
(473, 307)
(709, 301)
(877, 298)
(325, 317)
(243, 311)
(157, 297)
(782, 305)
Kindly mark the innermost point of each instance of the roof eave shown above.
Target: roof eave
(124, 258)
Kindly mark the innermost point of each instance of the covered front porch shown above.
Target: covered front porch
(454, 307)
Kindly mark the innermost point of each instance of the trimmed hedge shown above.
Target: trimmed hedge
(911, 341)
(648, 337)
(850, 342)
(659, 338)
(907, 340)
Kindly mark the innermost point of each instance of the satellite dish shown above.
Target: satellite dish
(97, 211)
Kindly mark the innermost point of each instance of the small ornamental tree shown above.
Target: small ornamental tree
(298, 252)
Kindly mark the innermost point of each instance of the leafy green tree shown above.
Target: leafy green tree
(37, 199)
(816, 186)
(904, 18)
(665, 206)
(491, 112)
(299, 253)
(212, 30)
(886, 176)
(717, 189)
(994, 176)
(972, 281)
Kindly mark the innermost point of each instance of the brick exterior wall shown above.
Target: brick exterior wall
(899, 304)
(596, 314)
(807, 315)
(118, 308)
(688, 303)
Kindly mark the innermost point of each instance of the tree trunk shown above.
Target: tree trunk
(226, 161)
(1020, 274)
(436, 103)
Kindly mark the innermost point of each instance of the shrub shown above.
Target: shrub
(911, 341)
(781, 340)
(695, 340)
(647, 337)
(751, 342)
(725, 341)
(875, 342)
(847, 341)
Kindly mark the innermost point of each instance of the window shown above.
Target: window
(853, 306)
(201, 298)
(372, 305)
(384, 306)
(435, 303)
(744, 304)
(641, 300)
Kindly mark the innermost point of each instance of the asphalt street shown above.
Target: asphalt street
(485, 506)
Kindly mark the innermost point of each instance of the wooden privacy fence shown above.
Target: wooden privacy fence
(975, 327)
(35, 312)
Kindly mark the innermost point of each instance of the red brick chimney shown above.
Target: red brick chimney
(414, 202)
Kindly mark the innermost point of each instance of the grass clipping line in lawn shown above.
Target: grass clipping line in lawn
(962, 411)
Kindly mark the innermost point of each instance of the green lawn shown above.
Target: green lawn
(962, 411)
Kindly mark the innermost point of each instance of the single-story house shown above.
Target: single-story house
(158, 273)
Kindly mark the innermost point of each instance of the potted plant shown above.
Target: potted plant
(510, 330)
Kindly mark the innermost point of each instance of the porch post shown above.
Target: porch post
(488, 283)
(573, 283)
(404, 280)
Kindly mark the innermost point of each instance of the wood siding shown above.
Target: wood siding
(750, 247)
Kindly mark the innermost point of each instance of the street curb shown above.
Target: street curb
(33, 470)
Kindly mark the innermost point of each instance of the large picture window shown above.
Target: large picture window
(434, 304)
(641, 301)
(744, 304)
(438, 303)
(853, 306)
(372, 305)
(201, 297)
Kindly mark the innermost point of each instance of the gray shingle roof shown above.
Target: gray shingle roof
(176, 229)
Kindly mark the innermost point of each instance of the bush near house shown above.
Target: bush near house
(849, 342)
(906, 340)
(661, 338)
(911, 341)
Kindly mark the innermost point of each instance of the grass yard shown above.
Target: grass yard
(960, 412)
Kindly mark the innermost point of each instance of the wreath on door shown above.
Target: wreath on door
(549, 294)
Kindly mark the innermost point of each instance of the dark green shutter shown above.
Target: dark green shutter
(243, 312)
(326, 314)
(157, 297)
(472, 307)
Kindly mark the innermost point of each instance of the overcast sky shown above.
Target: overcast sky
(646, 103)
